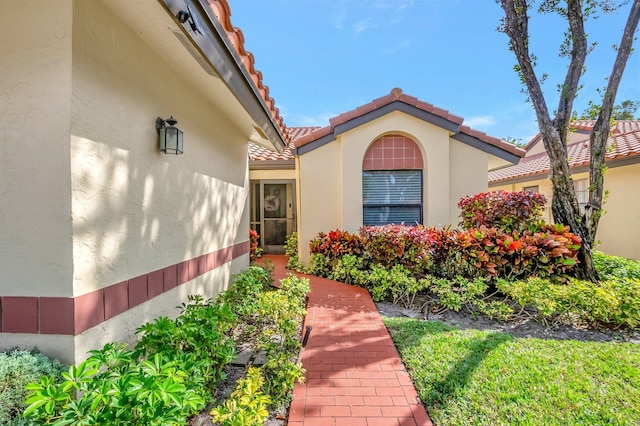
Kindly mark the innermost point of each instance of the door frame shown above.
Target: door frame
(276, 249)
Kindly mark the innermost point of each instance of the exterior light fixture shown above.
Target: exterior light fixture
(169, 137)
(188, 17)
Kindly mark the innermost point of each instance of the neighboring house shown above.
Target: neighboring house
(100, 231)
(396, 159)
(620, 226)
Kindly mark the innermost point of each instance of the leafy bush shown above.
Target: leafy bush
(291, 250)
(318, 265)
(116, 389)
(17, 369)
(550, 252)
(349, 270)
(242, 295)
(170, 374)
(199, 331)
(615, 302)
(409, 246)
(508, 211)
(610, 267)
(336, 244)
(247, 405)
(254, 251)
(460, 292)
(395, 283)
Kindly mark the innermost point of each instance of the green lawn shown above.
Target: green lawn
(471, 377)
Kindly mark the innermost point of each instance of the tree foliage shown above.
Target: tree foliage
(625, 110)
(554, 130)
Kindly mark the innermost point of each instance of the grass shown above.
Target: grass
(472, 377)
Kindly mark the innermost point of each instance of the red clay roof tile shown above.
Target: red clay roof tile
(624, 142)
(397, 95)
(259, 153)
(223, 13)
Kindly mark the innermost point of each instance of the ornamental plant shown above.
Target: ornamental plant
(255, 252)
(551, 252)
(409, 246)
(336, 244)
(508, 211)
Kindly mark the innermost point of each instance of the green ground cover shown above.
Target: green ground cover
(472, 377)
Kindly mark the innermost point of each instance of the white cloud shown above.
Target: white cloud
(481, 121)
(364, 25)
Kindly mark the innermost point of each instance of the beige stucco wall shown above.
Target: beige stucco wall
(35, 112)
(87, 199)
(468, 176)
(279, 174)
(134, 208)
(331, 176)
(620, 226)
(319, 194)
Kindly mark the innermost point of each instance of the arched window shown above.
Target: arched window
(392, 182)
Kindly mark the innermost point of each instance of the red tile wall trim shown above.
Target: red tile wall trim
(73, 315)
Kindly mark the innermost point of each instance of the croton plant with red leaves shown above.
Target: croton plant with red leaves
(509, 211)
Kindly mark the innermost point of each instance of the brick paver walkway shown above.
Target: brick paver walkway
(354, 373)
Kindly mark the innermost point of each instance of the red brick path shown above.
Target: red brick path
(354, 373)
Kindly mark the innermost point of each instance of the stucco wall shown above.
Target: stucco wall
(87, 200)
(281, 174)
(135, 209)
(468, 175)
(620, 226)
(319, 194)
(35, 115)
(331, 176)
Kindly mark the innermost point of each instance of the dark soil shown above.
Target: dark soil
(526, 327)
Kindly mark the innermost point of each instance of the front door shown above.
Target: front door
(276, 210)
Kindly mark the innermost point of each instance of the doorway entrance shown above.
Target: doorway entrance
(273, 210)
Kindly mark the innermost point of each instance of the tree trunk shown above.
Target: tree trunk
(565, 206)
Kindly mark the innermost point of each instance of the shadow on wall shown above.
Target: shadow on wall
(132, 215)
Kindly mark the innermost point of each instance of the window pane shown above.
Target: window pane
(392, 196)
(408, 215)
(392, 187)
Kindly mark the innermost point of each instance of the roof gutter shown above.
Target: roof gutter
(217, 50)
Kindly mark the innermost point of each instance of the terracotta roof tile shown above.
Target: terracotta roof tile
(223, 13)
(624, 142)
(260, 153)
(492, 141)
(395, 95)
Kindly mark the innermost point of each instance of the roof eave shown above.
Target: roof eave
(486, 147)
(217, 49)
(355, 122)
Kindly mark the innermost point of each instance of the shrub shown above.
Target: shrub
(460, 292)
(116, 389)
(200, 331)
(614, 302)
(550, 252)
(508, 211)
(349, 270)
(254, 252)
(291, 250)
(242, 294)
(247, 404)
(610, 267)
(318, 265)
(336, 244)
(409, 246)
(17, 369)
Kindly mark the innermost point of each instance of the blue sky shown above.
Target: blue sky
(324, 57)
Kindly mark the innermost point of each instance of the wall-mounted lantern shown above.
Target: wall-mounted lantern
(170, 137)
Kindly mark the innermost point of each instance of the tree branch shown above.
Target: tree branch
(576, 66)
(601, 128)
